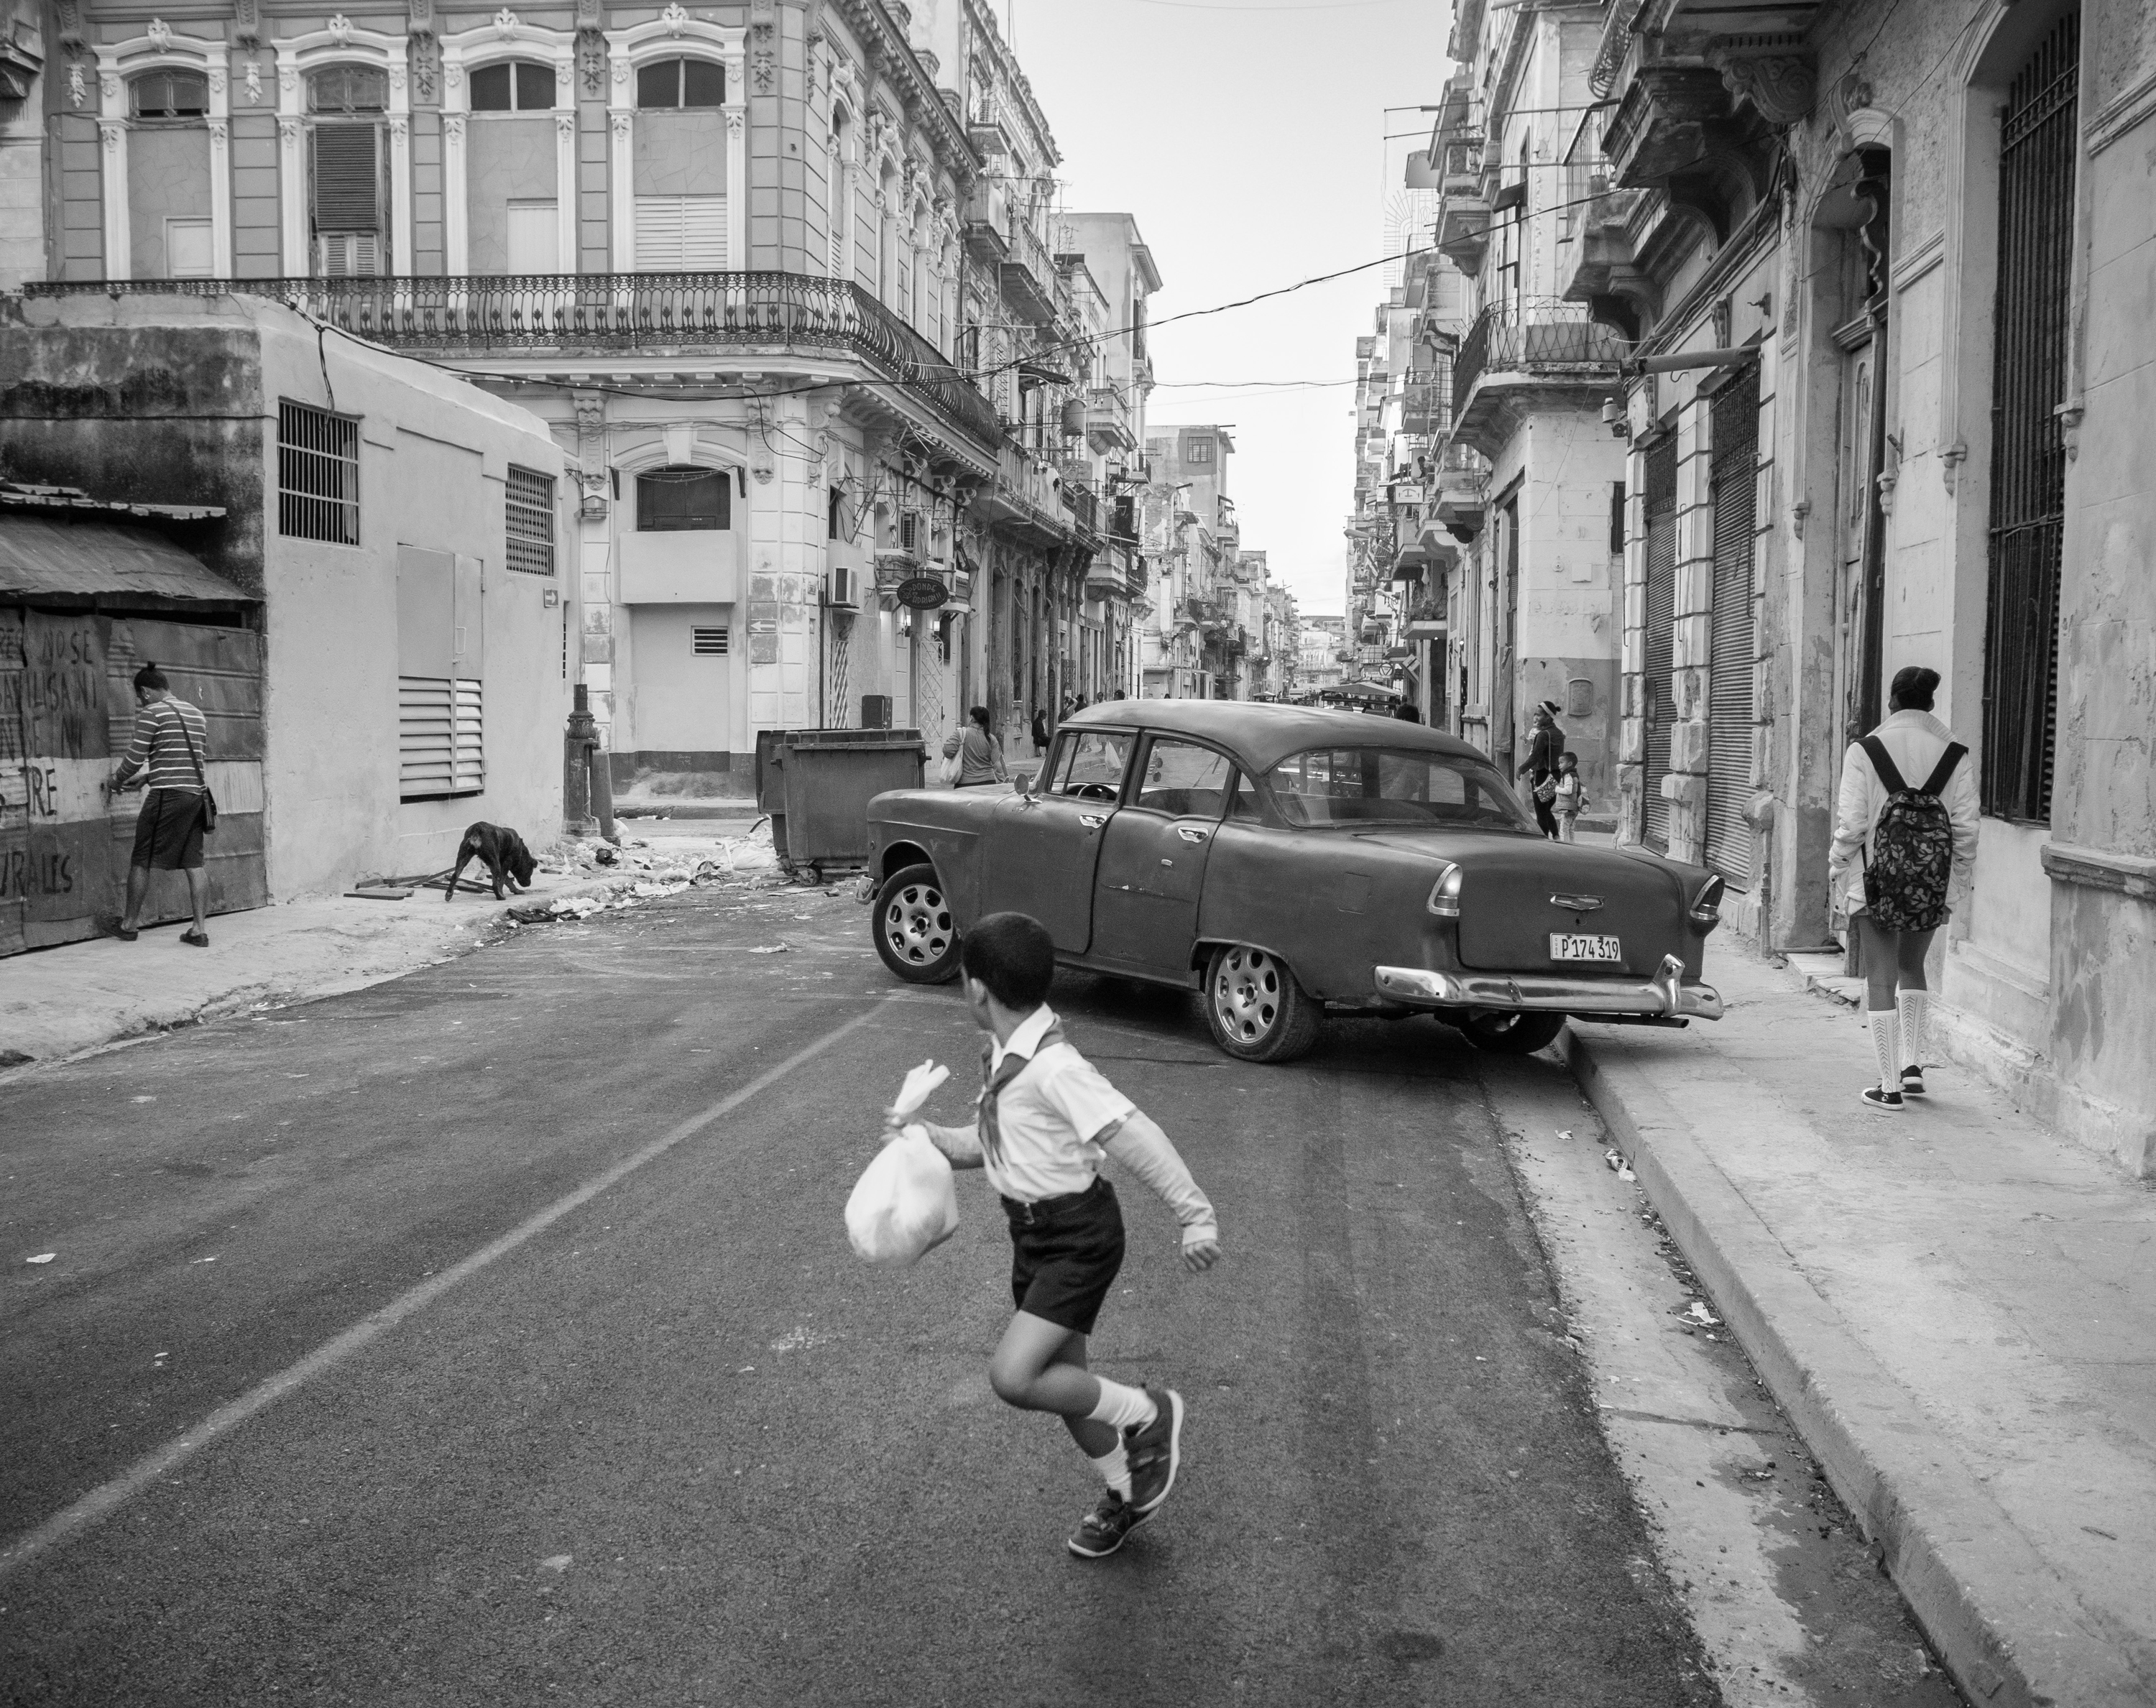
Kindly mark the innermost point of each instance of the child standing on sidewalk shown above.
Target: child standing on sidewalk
(1044, 1118)
(1571, 799)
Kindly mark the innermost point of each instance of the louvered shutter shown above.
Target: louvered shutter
(426, 735)
(348, 179)
(1736, 428)
(1659, 649)
(681, 233)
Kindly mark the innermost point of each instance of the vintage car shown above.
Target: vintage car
(1288, 863)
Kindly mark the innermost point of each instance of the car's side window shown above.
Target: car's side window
(1184, 780)
(1089, 764)
(1244, 803)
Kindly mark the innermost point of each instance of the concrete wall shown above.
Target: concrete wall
(167, 178)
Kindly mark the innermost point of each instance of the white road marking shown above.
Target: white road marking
(108, 1497)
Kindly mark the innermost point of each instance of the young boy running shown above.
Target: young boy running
(1044, 1118)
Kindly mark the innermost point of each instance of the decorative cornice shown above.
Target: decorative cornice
(1775, 73)
(888, 49)
(2121, 114)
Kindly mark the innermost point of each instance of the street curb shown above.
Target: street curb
(2008, 1630)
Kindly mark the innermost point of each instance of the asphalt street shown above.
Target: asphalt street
(560, 1381)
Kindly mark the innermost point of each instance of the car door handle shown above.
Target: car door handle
(1188, 834)
(1092, 821)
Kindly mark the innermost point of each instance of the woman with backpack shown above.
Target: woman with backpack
(1904, 837)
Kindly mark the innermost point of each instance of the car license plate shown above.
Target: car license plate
(1566, 945)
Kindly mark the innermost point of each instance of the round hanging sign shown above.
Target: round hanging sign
(923, 593)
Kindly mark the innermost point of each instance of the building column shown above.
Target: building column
(1686, 785)
(456, 201)
(1632, 657)
(400, 186)
(112, 166)
(621, 199)
(566, 255)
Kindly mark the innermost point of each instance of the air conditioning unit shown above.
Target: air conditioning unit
(845, 588)
(343, 254)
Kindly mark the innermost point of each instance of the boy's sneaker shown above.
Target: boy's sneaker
(1104, 1527)
(1913, 1080)
(1154, 1449)
(1880, 1098)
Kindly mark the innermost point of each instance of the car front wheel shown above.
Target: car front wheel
(1504, 1034)
(1257, 1010)
(915, 933)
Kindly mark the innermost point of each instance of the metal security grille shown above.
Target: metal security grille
(441, 737)
(2028, 450)
(708, 642)
(317, 475)
(528, 517)
(1729, 705)
(1658, 650)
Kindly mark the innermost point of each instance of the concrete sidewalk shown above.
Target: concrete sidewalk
(59, 1002)
(1956, 1307)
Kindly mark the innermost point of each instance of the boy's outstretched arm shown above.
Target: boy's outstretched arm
(961, 1145)
(1138, 1142)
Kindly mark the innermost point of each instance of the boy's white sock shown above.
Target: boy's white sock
(1913, 1006)
(1883, 1045)
(1115, 1469)
(1128, 1408)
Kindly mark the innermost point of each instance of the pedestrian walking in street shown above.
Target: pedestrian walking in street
(1045, 1119)
(978, 754)
(1039, 730)
(1569, 799)
(164, 759)
(1900, 849)
(1544, 748)
(1406, 713)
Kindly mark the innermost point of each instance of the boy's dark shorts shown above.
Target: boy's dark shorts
(168, 835)
(1065, 1254)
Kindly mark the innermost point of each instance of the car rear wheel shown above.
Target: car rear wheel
(1258, 1013)
(915, 933)
(1504, 1034)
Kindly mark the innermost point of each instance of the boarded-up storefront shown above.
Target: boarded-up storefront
(82, 605)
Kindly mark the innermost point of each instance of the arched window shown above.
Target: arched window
(681, 83)
(518, 85)
(348, 89)
(169, 94)
(683, 498)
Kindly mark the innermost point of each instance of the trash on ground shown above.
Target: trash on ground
(650, 891)
(1697, 1312)
(1564, 1132)
(604, 855)
(42, 1257)
(1616, 1160)
(775, 949)
(380, 892)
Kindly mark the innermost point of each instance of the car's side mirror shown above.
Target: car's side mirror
(1024, 783)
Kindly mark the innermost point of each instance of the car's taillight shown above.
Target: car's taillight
(1445, 894)
(1707, 906)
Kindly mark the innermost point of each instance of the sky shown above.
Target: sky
(1248, 138)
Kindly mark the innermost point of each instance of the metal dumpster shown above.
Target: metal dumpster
(817, 785)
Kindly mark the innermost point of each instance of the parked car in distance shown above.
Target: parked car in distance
(1288, 863)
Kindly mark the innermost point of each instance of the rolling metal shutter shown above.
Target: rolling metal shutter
(1659, 649)
(1730, 649)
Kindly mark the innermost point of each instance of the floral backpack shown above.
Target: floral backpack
(1911, 855)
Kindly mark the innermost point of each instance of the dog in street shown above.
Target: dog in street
(505, 855)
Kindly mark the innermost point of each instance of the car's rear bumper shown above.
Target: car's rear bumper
(1665, 993)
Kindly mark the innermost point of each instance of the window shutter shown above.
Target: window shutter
(1659, 642)
(1736, 433)
(681, 233)
(347, 180)
(468, 758)
(441, 747)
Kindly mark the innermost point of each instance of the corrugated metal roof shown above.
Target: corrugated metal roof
(40, 555)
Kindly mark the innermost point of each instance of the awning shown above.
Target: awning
(41, 557)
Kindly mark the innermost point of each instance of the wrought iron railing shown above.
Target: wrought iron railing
(1085, 507)
(610, 311)
(1540, 339)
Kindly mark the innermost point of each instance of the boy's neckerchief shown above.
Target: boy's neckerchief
(993, 1079)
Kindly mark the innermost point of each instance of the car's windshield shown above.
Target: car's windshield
(1362, 785)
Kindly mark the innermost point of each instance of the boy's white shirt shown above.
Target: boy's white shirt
(1050, 1116)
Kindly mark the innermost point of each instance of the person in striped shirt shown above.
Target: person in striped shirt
(165, 759)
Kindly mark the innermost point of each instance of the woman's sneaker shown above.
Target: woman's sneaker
(1880, 1098)
(1913, 1080)
(1153, 1451)
(1104, 1527)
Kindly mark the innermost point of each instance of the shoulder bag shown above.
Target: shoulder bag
(210, 800)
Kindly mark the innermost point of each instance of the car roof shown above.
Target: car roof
(1262, 734)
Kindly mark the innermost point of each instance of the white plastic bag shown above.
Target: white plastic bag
(905, 1204)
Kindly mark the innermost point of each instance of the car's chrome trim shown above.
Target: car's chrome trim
(1576, 903)
(1665, 993)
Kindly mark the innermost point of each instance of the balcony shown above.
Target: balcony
(691, 315)
(987, 223)
(1463, 211)
(1108, 425)
(1547, 356)
(1084, 506)
(1028, 276)
(1462, 479)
